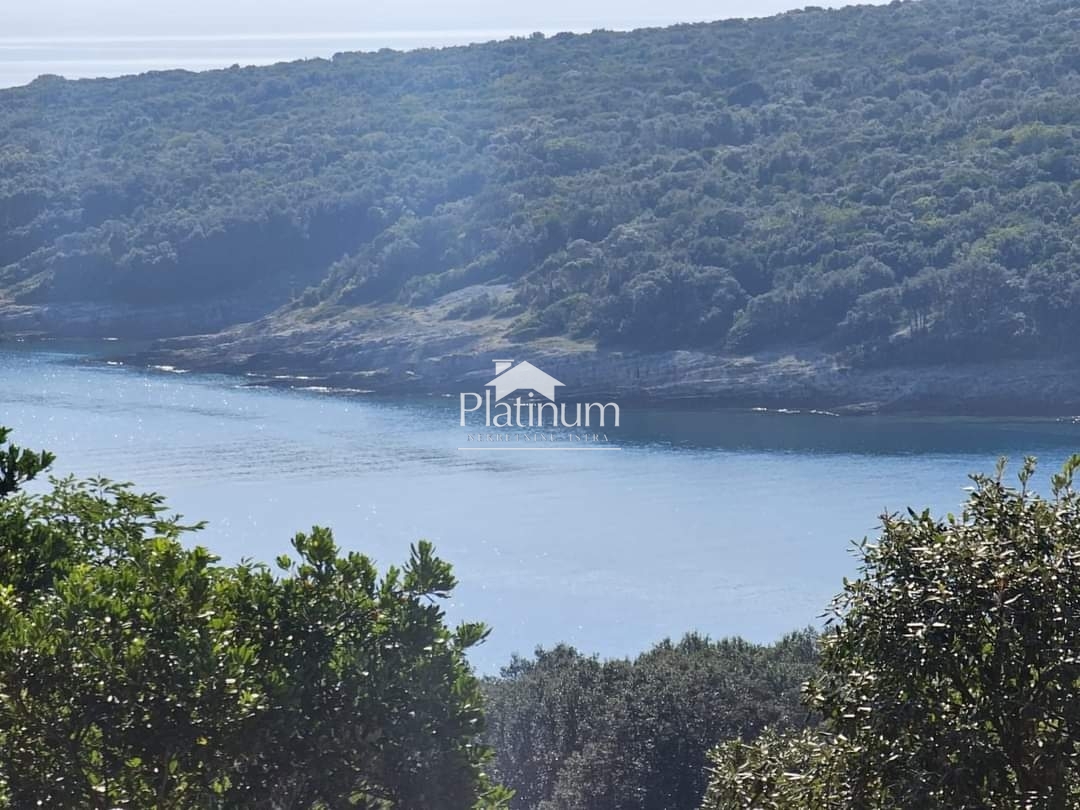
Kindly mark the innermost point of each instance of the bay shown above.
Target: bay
(721, 521)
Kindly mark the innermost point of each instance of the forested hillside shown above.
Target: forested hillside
(893, 184)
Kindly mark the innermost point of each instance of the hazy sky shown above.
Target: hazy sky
(92, 38)
(54, 18)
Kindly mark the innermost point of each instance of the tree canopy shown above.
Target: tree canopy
(575, 733)
(138, 671)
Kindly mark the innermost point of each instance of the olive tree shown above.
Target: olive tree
(950, 672)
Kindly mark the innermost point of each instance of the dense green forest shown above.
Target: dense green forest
(894, 183)
(574, 733)
(137, 670)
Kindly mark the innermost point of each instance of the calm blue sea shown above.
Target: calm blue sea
(22, 59)
(723, 521)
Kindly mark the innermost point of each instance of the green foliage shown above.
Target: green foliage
(720, 185)
(781, 771)
(18, 466)
(574, 733)
(136, 671)
(949, 676)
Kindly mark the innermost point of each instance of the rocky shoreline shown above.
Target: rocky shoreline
(803, 380)
(409, 352)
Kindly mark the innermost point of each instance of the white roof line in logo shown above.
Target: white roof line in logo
(523, 376)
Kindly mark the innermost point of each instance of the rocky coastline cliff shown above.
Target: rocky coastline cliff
(407, 352)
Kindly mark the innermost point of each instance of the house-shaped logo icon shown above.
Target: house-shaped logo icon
(522, 377)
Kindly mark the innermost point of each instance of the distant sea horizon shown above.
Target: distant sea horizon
(24, 58)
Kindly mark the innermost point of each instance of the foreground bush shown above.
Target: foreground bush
(138, 672)
(949, 678)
